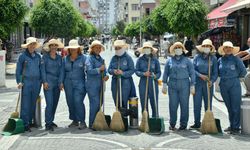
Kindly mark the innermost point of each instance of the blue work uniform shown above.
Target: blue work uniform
(30, 66)
(179, 75)
(231, 68)
(74, 86)
(94, 84)
(51, 74)
(201, 68)
(127, 66)
(141, 68)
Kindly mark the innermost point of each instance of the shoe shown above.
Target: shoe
(54, 125)
(73, 124)
(49, 128)
(172, 128)
(227, 129)
(246, 95)
(33, 125)
(195, 126)
(182, 128)
(27, 128)
(235, 131)
(82, 126)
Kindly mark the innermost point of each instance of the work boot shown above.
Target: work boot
(82, 125)
(228, 129)
(195, 126)
(27, 128)
(73, 124)
(54, 125)
(235, 131)
(49, 128)
(181, 128)
(172, 127)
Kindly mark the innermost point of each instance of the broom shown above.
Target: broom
(15, 114)
(144, 127)
(117, 124)
(100, 123)
(208, 125)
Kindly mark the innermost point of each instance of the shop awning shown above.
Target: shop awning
(219, 13)
(239, 5)
(217, 30)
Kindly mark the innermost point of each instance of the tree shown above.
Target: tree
(186, 16)
(132, 29)
(57, 18)
(12, 14)
(149, 28)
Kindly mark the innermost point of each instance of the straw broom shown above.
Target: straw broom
(208, 125)
(144, 127)
(100, 123)
(117, 124)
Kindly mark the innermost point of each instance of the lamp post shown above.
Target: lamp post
(140, 23)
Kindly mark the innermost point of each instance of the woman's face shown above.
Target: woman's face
(73, 51)
(207, 46)
(31, 47)
(228, 50)
(97, 49)
(118, 48)
(53, 48)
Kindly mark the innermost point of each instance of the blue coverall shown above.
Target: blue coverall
(231, 68)
(93, 84)
(30, 66)
(179, 75)
(127, 66)
(201, 68)
(74, 86)
(51, 74)
(141, 68)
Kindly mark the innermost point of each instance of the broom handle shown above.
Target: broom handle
(102, 86)
(101, 92)
(120, 83)
(156, 106)
(146, 92)
(208, 88)
(20, 91)
(18, 100)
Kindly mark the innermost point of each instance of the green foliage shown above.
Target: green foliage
(132, 29)
(148, 27)
(12, 13)
(118, 29)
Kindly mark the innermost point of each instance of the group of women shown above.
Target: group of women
(79, 74)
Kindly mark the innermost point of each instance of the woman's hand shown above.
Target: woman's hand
(45, 86)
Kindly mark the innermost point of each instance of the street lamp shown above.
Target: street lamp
(140, 24)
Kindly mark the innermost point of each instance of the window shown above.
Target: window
(134, 19)
(135, 7)
(147, 10)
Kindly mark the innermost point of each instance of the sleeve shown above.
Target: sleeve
(19, 68)
(61, 76)
(138, 71)
(43, 69)
(241, 68)
(195, 66)
(191, 72)
(111, 67)
(158, 69)
(90, 67)
(166, 72)
(131, 70)
(214, 72)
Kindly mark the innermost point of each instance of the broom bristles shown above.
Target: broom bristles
(100, 123)
(14, 115)
(208, 125)
(117, 124)
(144, 127)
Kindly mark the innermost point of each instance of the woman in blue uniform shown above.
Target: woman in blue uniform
(74, 83)
(52, 80)
(179, 76)
(154, 74)
(96, 73)
(206, 51)
(231, 69)
(28, 78)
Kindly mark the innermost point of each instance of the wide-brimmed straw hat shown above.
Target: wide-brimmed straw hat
(120, 43)
(236, 49)
(206, 42)
(30, 40)
(53, 41)
(94, 43)
(73, 44)
(171, 49)
(149, 45)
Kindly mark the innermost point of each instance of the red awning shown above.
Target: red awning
(218, 12)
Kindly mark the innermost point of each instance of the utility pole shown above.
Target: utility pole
(140, 23)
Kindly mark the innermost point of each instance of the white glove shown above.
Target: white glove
(164, 88)
(192, 89)
(242, 79)
(104, 86)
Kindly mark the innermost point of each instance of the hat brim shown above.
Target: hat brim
(26, 45)
(236, 49)
(91, 46)
(123, 46)
(73, 47)
(154, 50)
(46, 46)
(171, 49)
(199, 48)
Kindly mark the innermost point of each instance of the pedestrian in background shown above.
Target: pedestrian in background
(231, 69)
(189, 45)
(122, 65)
(154, 73)
(74, 83)
(96, 73)
(179, 76)
(51, 70)
(201, 61)
(28, 78)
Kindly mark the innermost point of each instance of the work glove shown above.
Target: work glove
(153, 76)
(242, 79)
(164, 88)
(192, 89)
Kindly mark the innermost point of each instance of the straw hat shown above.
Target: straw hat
(171, 49)
(73, 44)
(228, 44)
(30, 40)
(149, 45)
(94, 43)
(120, 43)
(53, 41)
(206, 42)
